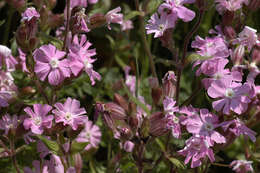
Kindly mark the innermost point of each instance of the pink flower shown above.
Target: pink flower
(237, 127)
(7, 88)
(128, 146)
(8, 123)
(127, 25)
(230, 5)
(176, 8)
(196, 149)
(38, 118)
(7, 59)
(22, 57)
(241, 166)
(130, 80)
(49, 63)
(159, 25)
(29, 14)
(80, 58)
(215, 69)
(173, 121)
(247, 37)
(91, 133)
(232, 96)
(114, 16)
(69, 113)
(214, 47)
(204, 124)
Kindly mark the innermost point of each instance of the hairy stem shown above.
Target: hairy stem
(13, 155)
(67, 26)
(184, 52)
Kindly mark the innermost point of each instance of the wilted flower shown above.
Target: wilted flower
(8, 123)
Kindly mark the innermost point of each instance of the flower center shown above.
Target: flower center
(161, 27)
(175, 120)
(217, 76)
(229, 93)
(54, 63)
(208, 127)
(68, 116)
(88, 135)
(87, 64)
(37, 121)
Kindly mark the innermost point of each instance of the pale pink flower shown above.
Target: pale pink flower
(49, 63)
(248, 37)
(22, 57)
(91, 133)
(79, 22)
(196, 150)
(114, 16)
(173, 121)
(241, 166)
(29, 14)
(176, 8)
(159, 25)
(204, 124)
(215, 69)
(8, 123)
(238, 128)
(127, 25)
(128, 146)
(130, 80)
(38, 118)
(230, 5)
(232, 96)
(7, 59)
(7, 88)
(80, 58)
(69, 113)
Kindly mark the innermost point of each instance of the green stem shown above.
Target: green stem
(8, 25)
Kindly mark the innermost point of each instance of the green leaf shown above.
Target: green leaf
(153, 6)
(133, 14)
(77, 147)
(161, 145)
(193, 57)
(51, 145)
(2, 22)
(112, 41)
(177, 163)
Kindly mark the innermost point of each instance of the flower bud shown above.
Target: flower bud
(256, 55)
(121, 101)
(125, 133)
(254, 5)
(78, 162)
(169, 84)
(158, 124)
(128, 146)
(116, 112)
(97, 20)
(28, 90)
(238, 54)
(229, 32)
(227, 18)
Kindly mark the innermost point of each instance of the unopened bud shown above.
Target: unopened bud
(78, 162)
(229, 32)
(55, 20)
(116, 112)
(128, 146)
(238, 55)
(121, 101)
(97, 20)
(125, 133)
(254, 5)
(169, 84)
(158, 124)
(256, 55)
(28, 90)
(227, 18)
